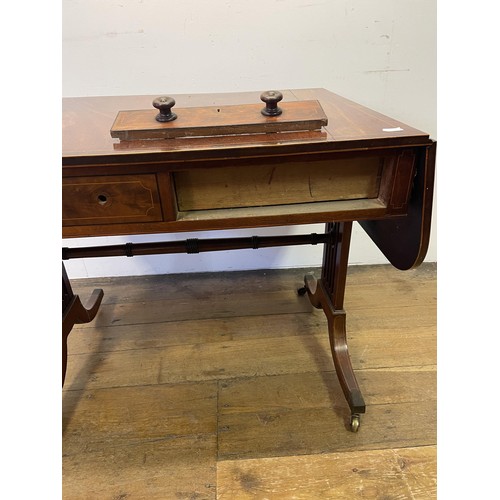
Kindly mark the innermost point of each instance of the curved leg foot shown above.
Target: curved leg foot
(342, 361)
(311, 288)
(75, 312)
(338, 343)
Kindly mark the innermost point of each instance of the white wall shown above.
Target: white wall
(381, 54)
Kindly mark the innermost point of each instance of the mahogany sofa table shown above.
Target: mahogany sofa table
(362, 166)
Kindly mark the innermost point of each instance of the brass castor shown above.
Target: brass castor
(355, 423)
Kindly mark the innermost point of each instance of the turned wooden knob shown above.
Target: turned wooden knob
(164, 104)
(271, 98)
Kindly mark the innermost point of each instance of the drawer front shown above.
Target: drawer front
(110, 199)
(282, 184)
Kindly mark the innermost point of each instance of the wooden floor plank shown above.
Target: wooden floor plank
(382, 474)
(125, 337)
(179, 375)
(297, 391)
(216, 306)
(125, 415)
(244, 358)
(203, 285)
(191, 286)
(153, 442)
(359, 300)
(160, 301)
(182, 468)
(367, 322)
(323, 430)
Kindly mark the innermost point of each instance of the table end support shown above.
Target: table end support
(75, 312)
(327, 293)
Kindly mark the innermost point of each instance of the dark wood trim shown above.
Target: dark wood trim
(73, 312)
(404, 240)
(167, 196)
(194, 245)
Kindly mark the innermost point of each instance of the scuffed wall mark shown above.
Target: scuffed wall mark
(385, 70)
(113, 34)
(312, 5)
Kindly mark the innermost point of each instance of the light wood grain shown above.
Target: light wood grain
(399, 473)
(265, 185)
(123, 416)
(217, 305)
(181, 468)
(369, 324)
(201, 286)
(321, 430)
(222, 360)
(222, 386)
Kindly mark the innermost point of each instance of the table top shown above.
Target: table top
(87, 121)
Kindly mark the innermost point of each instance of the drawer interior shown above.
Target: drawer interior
(278, 184)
